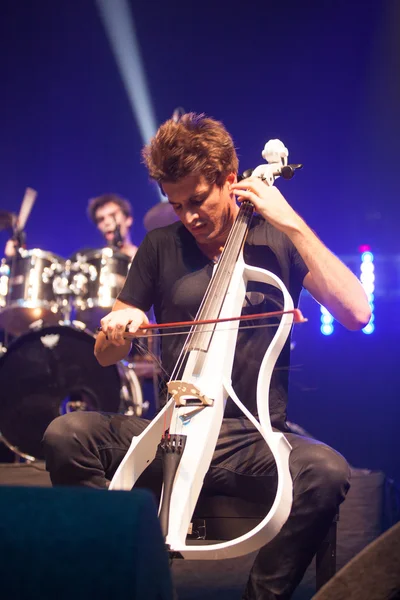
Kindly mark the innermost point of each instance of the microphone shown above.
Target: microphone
(117, 240)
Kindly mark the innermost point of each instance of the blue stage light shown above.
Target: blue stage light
(369, 287)
(367, 257)
(367, 279)
(367, 267)
(327, 329)
(326, 319)
(370, 328)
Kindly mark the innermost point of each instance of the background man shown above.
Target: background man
(113, 217)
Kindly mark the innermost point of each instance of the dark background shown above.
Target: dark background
(323, 76)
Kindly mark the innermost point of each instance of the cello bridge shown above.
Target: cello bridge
(187, 394)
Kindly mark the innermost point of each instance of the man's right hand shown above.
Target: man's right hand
(110, 346)
(118, 321)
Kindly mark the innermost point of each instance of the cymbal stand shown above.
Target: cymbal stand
(63, 292)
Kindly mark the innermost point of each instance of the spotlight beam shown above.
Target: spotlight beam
(120, 28)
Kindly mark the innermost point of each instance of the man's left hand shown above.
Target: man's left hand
(268, 202)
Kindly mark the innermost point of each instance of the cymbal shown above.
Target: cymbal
(159, 215)
(7, 219)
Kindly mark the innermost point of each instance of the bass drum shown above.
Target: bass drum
(52, 371)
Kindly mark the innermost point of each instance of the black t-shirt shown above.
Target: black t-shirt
(170, 272)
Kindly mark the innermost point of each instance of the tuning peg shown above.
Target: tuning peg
(287, 172)
(245, 174)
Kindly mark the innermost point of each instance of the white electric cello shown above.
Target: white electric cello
(188, 426)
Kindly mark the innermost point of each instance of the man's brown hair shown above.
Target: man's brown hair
(96, 203)
(193, 145)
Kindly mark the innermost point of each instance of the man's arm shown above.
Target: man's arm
(110, 346)
(329, 280)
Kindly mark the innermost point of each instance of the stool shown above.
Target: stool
(224, 518)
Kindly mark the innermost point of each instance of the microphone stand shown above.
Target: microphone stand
(117, 241)
(19, 239)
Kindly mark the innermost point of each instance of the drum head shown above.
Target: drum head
(39, 253)
(47, 373)
(107, 253)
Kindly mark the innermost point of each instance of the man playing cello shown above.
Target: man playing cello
(195, 163)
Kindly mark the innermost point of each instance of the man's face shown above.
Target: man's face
(108, 216)
(206, 210)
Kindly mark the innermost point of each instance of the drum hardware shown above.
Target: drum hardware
(74, 405)
(146, 364)
(36, 325)
(4, 276)
(74, 277)
(17, 451)
(126, 396)
(159, 215)
(78, 400)
(77, 325)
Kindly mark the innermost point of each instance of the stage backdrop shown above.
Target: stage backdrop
(321, 76)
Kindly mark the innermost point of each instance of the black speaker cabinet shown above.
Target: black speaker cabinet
(79, 543)
(373, 574)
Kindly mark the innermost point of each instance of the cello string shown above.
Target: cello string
(206, 296)
(155, 359)
(245, 211)
(145, 351)
(225, 266)
(214, 282)
(231, 251)
(163, 375)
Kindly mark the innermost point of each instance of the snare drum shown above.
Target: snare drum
(26, 290)
(52, 371)
(102, 274)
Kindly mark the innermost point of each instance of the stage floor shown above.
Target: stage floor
(24, 474)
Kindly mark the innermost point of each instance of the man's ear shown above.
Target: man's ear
(129, 221)
(232, 178)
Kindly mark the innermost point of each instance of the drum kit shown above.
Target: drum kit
(49, 310)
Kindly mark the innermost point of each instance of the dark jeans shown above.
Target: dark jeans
(85, 448)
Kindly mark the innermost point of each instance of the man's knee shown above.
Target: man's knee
(66, 431)
(332, 468)
(326, 470)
